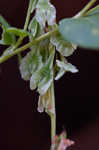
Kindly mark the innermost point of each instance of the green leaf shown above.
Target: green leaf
(4, 22)
(45, 12)
(62, 46)
(33, 27)
(7, 38)
(64, 67)
(43, 77)
(30, 63)
(82, 31)
(18, 32)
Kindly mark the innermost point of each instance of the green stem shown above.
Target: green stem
(85, 9)
(53, 115)
(28, 45)
(28, 14)
(17, 44)
(25, 28)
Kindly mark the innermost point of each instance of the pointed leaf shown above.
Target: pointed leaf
(4, 22)
(82, 31)
(64, 67)
(60, 74)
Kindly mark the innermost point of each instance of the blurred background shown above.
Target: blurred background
(77, 95)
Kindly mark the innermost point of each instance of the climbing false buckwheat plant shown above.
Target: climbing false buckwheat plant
(50, 44)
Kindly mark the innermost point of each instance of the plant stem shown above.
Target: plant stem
(85, 9)
(53, 115)
(28, 14)
(17, 44)
(25, 28)
(28, 45)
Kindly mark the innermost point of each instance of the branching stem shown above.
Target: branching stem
(28, 45)
(85, 9)
(25, 28)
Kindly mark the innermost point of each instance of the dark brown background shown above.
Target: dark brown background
(21, 126)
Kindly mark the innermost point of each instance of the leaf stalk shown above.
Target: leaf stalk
(85, 9)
